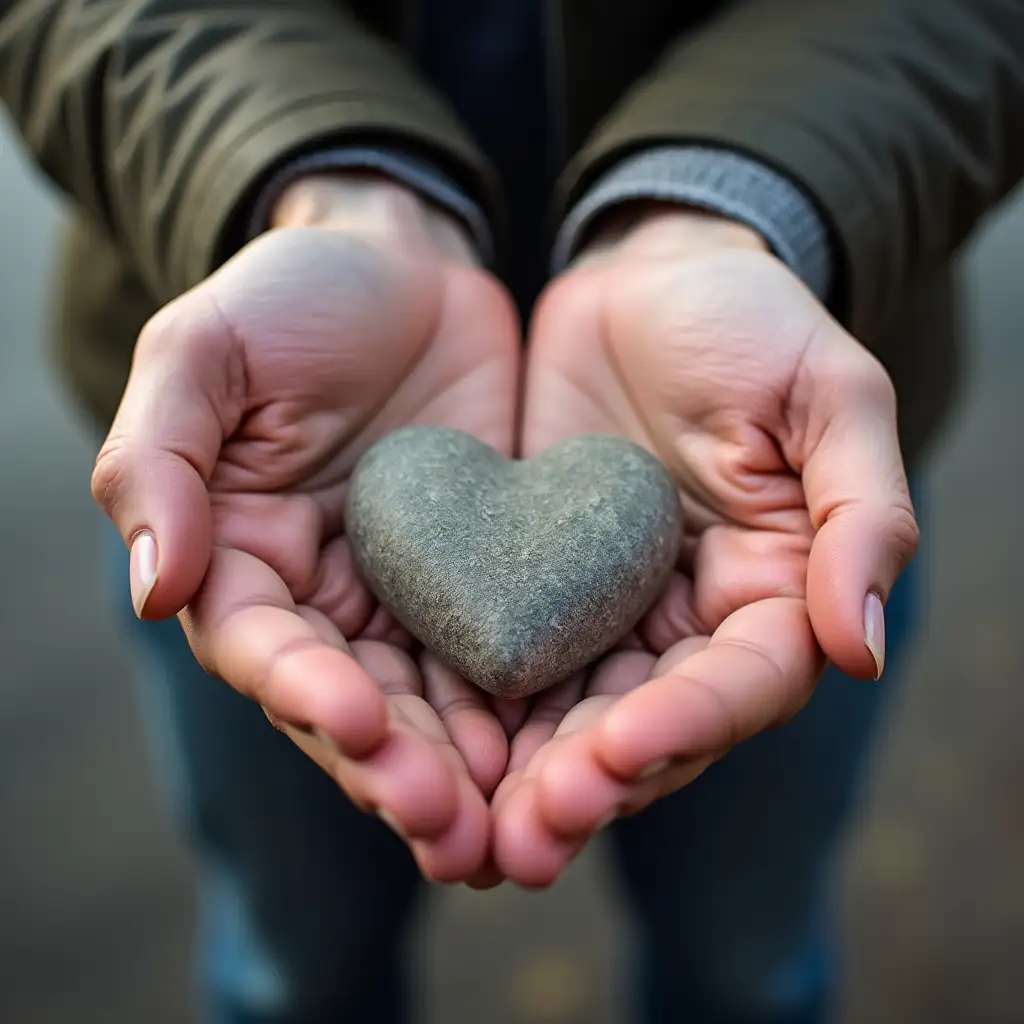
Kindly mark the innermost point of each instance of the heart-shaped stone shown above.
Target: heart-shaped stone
(516, 574)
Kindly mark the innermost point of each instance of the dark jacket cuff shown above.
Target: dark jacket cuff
(720, 181)
(417, 174)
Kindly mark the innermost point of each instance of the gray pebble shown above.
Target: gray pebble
(515, 574)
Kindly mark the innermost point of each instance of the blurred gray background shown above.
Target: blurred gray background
(96, 903)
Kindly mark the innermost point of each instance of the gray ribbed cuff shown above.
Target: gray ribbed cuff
(410, 171)
(720, 181)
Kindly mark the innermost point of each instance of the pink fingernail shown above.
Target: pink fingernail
(874, 631)
(392, 822)
(142, 570)
(656, 768)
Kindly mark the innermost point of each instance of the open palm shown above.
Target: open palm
(780, 430)
(250, 401)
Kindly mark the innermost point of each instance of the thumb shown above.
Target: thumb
(184, 395)
(859, 501)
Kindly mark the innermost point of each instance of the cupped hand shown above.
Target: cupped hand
(250, 400)
(683, 333)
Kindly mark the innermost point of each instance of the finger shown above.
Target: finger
(545, 717)
(576, 706)
(244, 627)
(759, 669)
(859, 501)
(326, 631)
(340, 593)
(383, 627)
(524, 850)
(677, 654)
(427, 796)
(461, 853)
(673, 617)
(443, 818)
(486, 877)
(737, 566)
(408, 785)
(471, 725)
(410, 782)
(527, 848)
(184, 395)
(283, 530)
(577, 794)
(511, 712)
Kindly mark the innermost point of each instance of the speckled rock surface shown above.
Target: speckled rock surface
(516, 574)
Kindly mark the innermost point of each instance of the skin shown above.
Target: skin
(250, 400)
(252, 397)
(680, 331)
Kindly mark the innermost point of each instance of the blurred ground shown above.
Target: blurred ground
(95, 896)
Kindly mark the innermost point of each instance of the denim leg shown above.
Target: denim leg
(730, 877)
(305, 902)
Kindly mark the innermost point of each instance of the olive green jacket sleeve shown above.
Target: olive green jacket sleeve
(161, 117)
(902, 119)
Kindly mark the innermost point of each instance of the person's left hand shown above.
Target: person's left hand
(682, 333)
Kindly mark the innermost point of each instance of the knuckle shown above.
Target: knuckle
(264, 684)
(728, 730)
(906, 535)
(189, 331)
(197, 642)
(879, 384)
(861, 379)
(160, 328)
(110, 473)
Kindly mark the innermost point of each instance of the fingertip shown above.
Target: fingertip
(461, 852)
(326, 689)
(627, 740)
(355, 719)
(485, 749)
(510, 712)
(525, 852)
(845, 597)
(575, 793)
(161, 507)
(406, 783)
(475, 732)
(486, 877)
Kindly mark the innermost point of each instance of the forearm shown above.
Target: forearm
(162, 119)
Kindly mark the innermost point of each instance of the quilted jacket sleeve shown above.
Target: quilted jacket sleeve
(902, 119)
(162, 117)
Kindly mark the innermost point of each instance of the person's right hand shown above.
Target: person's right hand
(249, 402)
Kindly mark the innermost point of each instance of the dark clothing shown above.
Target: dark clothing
(160, 118)
(489, 60)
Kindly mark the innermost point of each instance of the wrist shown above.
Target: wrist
(651, 229)
(372, 205)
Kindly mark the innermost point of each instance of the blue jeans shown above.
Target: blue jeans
(306, 902)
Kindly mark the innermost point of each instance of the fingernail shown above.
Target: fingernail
(874, 631)
(281, 726)
(391, 821)
(142, 570)
(656, 768)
